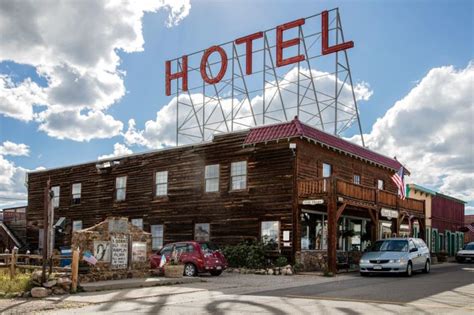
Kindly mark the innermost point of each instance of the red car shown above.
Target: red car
(197, 257)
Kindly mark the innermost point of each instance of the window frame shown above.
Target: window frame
(378, 184)
(212, 178)
(278, 233)
(56, 197)
(158, 237)
(132, 219)
(73, 223)
(330, 170)
(359, 182)
(209, 231)
(240, 175)
(117, 189)
(156, 184)
(73, 200)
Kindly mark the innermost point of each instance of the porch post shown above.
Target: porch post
(332, 227)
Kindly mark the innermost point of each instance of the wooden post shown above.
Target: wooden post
(12, 264)
(47, 202)
(74, 270)
(332, 227)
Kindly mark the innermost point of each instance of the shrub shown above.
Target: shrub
(20, 283)
(281, 261)
(246, 255)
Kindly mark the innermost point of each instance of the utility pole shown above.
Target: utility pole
(48, 195)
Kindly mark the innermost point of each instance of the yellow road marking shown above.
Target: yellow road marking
(378, 302)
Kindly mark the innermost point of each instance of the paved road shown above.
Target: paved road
(393, 289)
(449, 289)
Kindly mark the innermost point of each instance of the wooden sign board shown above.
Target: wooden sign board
(102, 251)
(118, 225)
(119, 252)
(139, 252)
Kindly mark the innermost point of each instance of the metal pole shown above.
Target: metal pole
(47, 201)
(336, 74)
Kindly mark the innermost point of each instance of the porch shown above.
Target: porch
(340, 200)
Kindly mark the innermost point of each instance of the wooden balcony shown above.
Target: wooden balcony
(358, 194)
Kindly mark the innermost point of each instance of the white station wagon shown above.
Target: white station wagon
(396, 255)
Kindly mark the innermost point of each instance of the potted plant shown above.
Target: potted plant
(174, 268)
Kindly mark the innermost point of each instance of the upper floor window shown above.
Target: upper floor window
(55, 200)
(238, 175)
(120, 188)
(327, 170)
(380, 184)
(212, 178)
(357, 179)
(138, 222)
(161, 183)
(76, 193)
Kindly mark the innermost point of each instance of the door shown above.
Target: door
(415, 254)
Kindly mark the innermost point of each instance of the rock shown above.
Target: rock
(283, 271)
(64, 283)
(289, 272)
(36, 276)
(49, 284)
(39, 292)
(59, 291)
(260, 271)
(270, 271)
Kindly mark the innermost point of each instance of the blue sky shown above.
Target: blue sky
(397, 43)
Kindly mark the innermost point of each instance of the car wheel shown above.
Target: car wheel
(409, 271)
(190, 270)
(216, 273)
(427, 268)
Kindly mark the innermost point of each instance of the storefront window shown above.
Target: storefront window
(313, 231)
(385, 229)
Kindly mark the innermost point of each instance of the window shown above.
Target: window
(327, 170)
(76, 225)
(138, 222)
(239, 175)
(380, 184)
(55, 200)
(161, 183)
(411, 245)
(270, 232)
(202, 232)
(357, 179)
(166, 250)
(120, 188)
(76, 193)
(156, 236)
(212, 178)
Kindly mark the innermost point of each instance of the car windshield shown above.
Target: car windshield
(469, 246)
(209, 247)
(390, 246)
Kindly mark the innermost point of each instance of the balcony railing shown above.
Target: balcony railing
(319, 187)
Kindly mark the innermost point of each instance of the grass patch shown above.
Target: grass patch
(20, 283)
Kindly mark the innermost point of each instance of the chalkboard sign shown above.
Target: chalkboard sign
(118, 225)
(119, 252)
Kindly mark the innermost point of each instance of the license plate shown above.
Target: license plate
(377, 267)
(218, 267)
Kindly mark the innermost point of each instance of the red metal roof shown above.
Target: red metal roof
(296, 129)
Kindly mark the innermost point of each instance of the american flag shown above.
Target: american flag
(398, 179)
(89, 258)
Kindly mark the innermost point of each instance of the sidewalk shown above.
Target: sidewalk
(135, 283)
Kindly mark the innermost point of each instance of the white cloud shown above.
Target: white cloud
(161, 131)
(74, 45)
(431, 131)
(14, 149)
(119, 150)
(72, 124)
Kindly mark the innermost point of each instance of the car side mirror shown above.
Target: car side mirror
(413, 250)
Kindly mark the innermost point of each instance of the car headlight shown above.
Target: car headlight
(363, 261)
(395, 260)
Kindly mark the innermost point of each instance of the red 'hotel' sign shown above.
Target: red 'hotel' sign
(247, 41)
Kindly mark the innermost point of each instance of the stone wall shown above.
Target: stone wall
(122, 250)
(316, 260)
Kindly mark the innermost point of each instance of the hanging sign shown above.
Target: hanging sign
(310, 202)
(389, 213)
